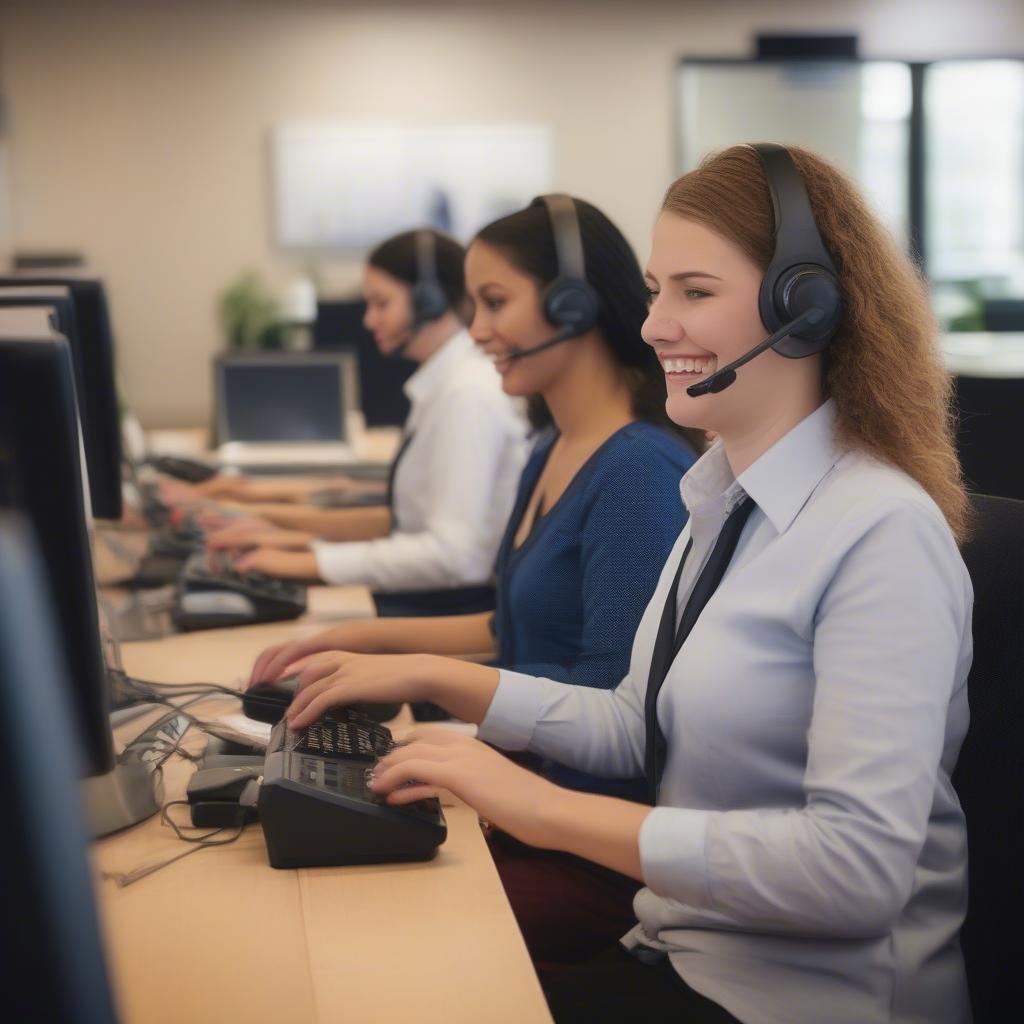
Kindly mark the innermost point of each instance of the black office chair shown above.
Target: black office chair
(989, 776)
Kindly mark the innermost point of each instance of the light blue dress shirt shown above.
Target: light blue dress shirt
(807, 858)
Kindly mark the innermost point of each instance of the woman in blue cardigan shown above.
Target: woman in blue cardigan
(597, 512)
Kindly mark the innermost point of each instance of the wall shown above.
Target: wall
(138, 131)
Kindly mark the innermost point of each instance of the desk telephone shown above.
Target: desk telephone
(212, 593)
(317, 808)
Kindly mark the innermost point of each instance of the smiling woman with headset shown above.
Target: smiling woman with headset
(453, 481)
(796, 697)
(559, 302)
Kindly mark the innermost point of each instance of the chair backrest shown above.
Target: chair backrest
(989, 776)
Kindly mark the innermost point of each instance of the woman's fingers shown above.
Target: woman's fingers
(409, 794)
(261, 668)
(433, 771)
(317, 700)
(315, 666)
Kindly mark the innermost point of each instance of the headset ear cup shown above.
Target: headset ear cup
(571, 302)
(429, 302)
(798, 290)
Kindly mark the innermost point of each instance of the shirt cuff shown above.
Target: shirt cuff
(339, 563)
(514, 710)
(672, 858)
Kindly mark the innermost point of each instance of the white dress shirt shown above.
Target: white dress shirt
(806, 861)
(454, 486)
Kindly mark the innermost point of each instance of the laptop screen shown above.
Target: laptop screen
(281, 400)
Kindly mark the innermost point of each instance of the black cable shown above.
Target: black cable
(145, 687)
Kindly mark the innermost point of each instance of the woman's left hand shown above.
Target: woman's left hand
(508, 796)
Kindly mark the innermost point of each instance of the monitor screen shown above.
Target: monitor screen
(41, 476)
(93, 352)
(281, 398)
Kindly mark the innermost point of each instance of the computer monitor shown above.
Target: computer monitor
(1003, 314)
(339, 327)
(54, 967)
(40, 475)
(94, 358)
(293, 397)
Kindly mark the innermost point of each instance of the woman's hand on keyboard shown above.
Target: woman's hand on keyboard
(258, 537)
(341, 677)
(281, 659)
(294, 565)
(510, 797)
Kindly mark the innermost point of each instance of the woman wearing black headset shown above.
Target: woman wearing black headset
(572, 584)
(796, 696)
(454, 480)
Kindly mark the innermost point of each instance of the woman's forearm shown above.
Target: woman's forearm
(447, 634)
(602, 829)
(343, 524)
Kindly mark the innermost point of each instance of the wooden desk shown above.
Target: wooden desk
(220, 936)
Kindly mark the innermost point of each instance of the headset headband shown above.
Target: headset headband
(565, 228)
(797, 238)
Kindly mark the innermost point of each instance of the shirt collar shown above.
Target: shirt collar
(780, 481)
(430, 375)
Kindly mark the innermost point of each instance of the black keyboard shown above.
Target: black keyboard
(212, 594)
(317, 807)
(344, 734)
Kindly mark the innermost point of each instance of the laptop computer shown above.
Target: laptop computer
(292, 410)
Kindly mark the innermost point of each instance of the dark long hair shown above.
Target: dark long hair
(526, 240)
(397, 256)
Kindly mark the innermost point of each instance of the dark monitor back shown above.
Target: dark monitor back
(94, 354)
(54, 967)
(339, 326)
(40, 476)
(991, 424)
(1003, 314)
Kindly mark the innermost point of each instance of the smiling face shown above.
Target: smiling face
(507, 317)
(388, 308)
(703, 315)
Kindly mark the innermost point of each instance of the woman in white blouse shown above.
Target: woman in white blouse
(455, 478)
(805, 860)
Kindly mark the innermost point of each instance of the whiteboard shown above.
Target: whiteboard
(344, 184)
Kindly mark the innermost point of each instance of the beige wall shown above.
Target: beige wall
(138, 130)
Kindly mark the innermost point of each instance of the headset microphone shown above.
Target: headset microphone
(726, 376)
(800, 300)
(563, 335)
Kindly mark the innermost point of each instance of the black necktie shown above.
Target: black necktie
(670, 639)
(392, 471)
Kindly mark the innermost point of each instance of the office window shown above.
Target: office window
(856, 113)
(974, 188)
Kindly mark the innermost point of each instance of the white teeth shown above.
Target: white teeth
(689, 364)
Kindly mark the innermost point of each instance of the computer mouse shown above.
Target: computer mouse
(267, 702)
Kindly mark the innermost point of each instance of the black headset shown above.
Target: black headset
(569, 302)
(801, 274)
(429, 301)
(800, 302)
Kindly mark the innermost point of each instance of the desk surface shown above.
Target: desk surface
(220, 936)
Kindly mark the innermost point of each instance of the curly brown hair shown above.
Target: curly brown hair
(887, 318)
